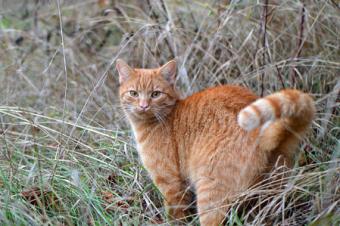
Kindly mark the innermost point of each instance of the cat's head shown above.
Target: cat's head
(147, 94)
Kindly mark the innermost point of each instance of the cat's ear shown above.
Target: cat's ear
(168, 71)
(124, 70)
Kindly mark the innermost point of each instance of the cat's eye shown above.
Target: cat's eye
(155, 94)
(133, 93)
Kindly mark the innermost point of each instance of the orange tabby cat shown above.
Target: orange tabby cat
(220, 140)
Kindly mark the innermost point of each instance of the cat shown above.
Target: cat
(220, 140)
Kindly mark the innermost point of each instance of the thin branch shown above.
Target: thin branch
(280, 76)
(264, 41)
(299, 44)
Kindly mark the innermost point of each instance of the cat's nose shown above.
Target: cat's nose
(144, 105)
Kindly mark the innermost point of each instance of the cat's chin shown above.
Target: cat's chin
(141, 115)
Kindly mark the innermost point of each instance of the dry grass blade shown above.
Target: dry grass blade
(60, 116)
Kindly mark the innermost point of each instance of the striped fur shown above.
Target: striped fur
(219, 141)
(285, 104)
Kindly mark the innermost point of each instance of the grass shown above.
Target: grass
(67, 155)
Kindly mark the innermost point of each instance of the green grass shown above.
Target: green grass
(67, 155)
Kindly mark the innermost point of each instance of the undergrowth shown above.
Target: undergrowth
(67, 154)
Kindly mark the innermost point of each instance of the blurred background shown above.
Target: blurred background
(67, 154)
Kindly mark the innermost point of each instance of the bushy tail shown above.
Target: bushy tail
(287, 104)
(283, 117)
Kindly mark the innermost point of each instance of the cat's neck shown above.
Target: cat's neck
(142, 128)
(140, 124)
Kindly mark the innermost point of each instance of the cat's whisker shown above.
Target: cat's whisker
(160, 112)
(127, 107)
(122, 117)
(160, 118)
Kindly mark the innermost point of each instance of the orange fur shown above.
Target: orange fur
(221, 139)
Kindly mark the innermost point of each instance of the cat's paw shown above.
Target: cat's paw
(248, 119)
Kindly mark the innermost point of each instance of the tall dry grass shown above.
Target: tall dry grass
(67, 157)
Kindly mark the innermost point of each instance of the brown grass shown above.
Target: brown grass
(62, 130)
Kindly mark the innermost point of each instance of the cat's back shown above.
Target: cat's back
(211, 111)
(225, 98)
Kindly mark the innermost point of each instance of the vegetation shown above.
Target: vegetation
(67, 155)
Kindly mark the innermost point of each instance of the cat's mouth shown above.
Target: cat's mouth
(139, 110)
(142, 113)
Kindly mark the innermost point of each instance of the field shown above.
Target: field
(67, 154)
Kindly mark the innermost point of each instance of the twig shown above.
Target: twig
(264, 40)
(299, 43)
(263, 30)
(335, 4)
(165, 9)
(280, 76)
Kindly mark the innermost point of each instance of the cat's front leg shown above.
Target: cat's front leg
(176, 196)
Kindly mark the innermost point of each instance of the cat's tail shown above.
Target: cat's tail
(288, 112)
(290, 104)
